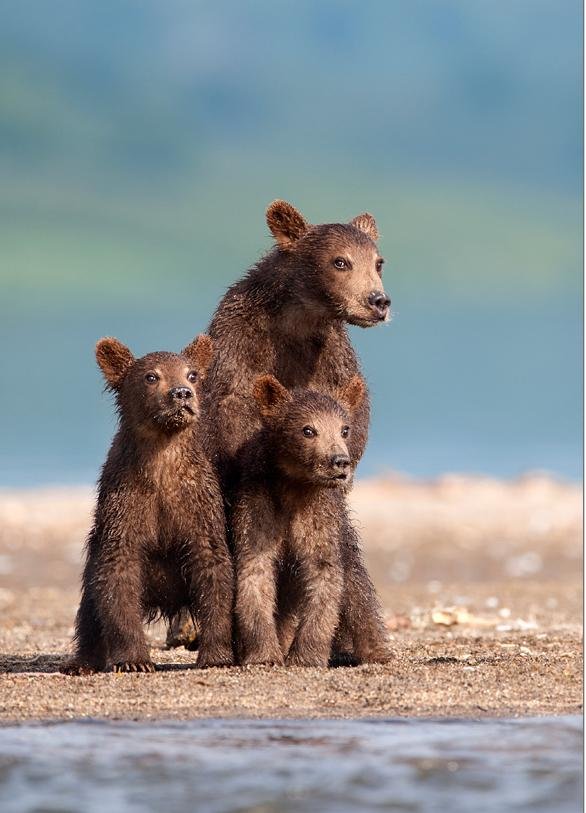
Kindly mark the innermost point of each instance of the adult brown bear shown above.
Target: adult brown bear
(287, 317)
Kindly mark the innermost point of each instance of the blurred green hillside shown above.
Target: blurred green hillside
(145, 139)
(444, 237)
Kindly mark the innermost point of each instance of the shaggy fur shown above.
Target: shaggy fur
(158, 543)
(288, 521)
(287, 317)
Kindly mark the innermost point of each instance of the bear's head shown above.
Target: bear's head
(335, 268)
(157, 393)
(308, 431)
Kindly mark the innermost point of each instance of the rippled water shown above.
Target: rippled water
(293, 765)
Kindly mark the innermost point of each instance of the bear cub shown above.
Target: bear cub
(288, 521)
(158, 544)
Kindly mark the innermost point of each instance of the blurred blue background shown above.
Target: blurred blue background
(140, 143)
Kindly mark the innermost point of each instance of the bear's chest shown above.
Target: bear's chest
(308, 529)
(177, 500)
(315, 362)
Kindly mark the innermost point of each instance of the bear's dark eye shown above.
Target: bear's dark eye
(345, 431)
(379, 266)
(340, 262)
(151, 378)
(309, 432)
(192, 376)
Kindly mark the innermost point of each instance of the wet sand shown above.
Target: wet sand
(480, 580)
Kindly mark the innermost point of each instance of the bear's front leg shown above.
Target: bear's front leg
(117, 589)
(255, 609)
(321, 574)
(255, 545)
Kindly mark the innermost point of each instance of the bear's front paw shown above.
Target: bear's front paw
(134, 666)
(295, 658)
(78, 669)
(210, 658)
(263, 657)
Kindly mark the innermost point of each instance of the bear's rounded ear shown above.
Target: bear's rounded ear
(367, 224)
(287, 225)
(200, 353)
(114, 360)
(270, 395)
(353, 394)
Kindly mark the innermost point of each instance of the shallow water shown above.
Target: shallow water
(293, 765)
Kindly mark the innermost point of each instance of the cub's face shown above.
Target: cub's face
(158, 392)
(311, 441)
(336, 269)
(308, 431)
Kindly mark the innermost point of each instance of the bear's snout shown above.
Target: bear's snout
(180, 393)
(340, 463)
(379, 302)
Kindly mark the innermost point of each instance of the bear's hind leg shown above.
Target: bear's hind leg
(213, 589)
(360, 612)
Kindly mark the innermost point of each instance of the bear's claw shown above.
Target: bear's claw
(75, 669)
(134, 666)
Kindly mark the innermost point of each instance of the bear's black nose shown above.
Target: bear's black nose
(181, 393)
(379, 302)
(340, 461)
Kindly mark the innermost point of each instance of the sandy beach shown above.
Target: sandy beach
(480, 581)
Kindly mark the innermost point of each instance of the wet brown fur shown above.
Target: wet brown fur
(158, 543)
(288, 521)
(287, 317)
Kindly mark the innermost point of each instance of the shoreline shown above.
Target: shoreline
(480, 580)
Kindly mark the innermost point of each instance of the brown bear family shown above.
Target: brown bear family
(224, 492)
